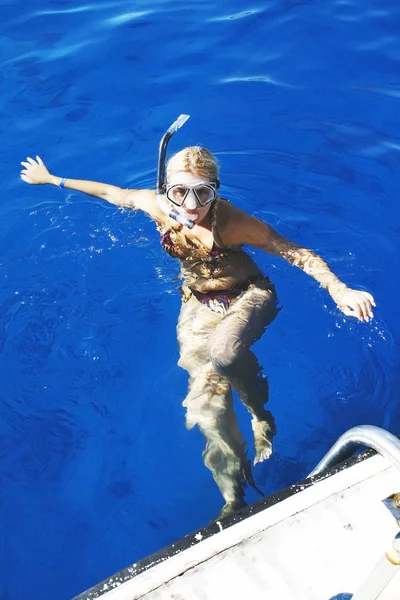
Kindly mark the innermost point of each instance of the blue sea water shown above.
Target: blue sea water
(300, 102)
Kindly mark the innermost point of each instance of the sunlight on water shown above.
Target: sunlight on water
(255, 78)
(89, 8)
(65, 11)
(126, 17)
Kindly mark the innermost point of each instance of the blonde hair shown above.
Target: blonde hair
(195, 159)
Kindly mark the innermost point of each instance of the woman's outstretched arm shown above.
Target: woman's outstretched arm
(354, 303)
(245, 229)
(35, 172)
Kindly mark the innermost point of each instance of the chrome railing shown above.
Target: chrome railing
(368, 436)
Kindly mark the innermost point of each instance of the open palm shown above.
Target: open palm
(35, 171)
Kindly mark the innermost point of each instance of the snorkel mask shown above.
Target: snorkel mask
(203, 193)
(170, 211)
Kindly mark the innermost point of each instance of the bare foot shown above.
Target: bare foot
(264, 431)
(230, 507)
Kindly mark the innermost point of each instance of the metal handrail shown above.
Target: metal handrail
(370, 436)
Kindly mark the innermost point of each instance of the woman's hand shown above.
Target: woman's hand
(355, 303)
(35, 171)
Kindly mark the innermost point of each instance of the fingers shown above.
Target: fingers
(362, 310)
(359, 312)
(370, 298)
(359, 307)
(367, 303)
(30, 162)
(365, 310)
(33, 169)
(369, 313)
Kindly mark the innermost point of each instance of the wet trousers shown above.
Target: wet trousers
(215, 350)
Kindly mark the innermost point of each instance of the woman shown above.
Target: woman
(227, 301)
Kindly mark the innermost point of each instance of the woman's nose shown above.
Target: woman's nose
(191, 202)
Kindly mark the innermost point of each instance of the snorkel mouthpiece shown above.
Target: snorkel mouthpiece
(176, 215)
(169, 210)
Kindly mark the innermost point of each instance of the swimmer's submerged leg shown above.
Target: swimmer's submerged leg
(229, 352)
(209, 405)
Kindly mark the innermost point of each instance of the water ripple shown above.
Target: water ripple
(239, 15)
(126, 17)
(255, 78)
(390, 91)
(85, 8)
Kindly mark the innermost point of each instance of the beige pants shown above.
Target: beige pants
(215, 350)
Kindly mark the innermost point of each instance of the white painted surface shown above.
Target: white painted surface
(315, 545)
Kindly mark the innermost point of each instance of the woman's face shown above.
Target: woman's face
(191, 206)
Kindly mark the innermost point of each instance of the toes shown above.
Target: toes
(262, 455)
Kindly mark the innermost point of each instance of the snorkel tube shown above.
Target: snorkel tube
(170, 211)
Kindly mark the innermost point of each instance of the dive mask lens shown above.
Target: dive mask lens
(204, 193)
(177, 194)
